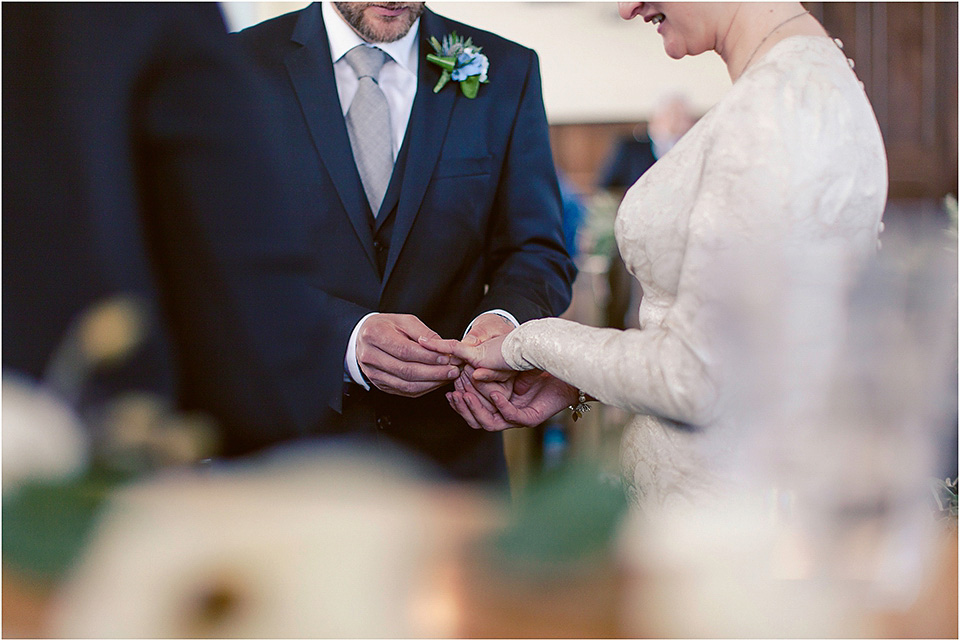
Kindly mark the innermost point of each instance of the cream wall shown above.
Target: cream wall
(596, 67)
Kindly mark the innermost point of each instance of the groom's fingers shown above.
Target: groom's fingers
(400, 377)
(403, 349)
(392, 384)
(481, 410)
(472, 389)
(487, 326)
(485, 375)
(490, 421)
(468, 406)
(526, 380)
(526, 417)
(396, 335)
(456, 402)
(411, 371)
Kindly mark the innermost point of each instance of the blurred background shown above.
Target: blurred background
(327, 543)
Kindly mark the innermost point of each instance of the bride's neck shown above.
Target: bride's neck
(753, 28)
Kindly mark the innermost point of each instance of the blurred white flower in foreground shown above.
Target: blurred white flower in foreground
(327, 545)
(43, 438)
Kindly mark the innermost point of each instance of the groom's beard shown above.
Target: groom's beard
(375, 27)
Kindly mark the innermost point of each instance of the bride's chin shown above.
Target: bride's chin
(673, 52)
(670, 46)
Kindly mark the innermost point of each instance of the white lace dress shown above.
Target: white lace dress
(790, 164)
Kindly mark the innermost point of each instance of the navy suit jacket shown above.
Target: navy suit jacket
(136, 162)
(476, 217)
(630, 159)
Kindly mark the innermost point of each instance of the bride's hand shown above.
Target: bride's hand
(485, 356)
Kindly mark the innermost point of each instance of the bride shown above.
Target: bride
(789, 163)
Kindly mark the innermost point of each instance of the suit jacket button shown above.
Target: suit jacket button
(377, 245)
(383, 422)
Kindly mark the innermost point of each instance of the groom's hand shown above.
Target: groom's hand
(391, 357)
(535, 397)
(485, 327)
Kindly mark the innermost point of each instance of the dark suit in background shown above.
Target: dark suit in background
(630, 159)
(471, 220)
(136, 162)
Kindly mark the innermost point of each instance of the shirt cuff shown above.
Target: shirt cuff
(350, 365)
(499, 312)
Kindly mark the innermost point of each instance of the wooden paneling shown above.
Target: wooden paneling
(581, 150)
(906, 56)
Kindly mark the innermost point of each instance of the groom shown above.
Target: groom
(436, 214)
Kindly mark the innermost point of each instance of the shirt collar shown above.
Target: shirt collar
(343, 38)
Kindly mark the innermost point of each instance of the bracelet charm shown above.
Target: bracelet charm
(581, 407)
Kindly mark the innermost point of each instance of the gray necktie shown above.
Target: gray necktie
(368, 123)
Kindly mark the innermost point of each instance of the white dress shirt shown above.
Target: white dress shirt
(398, 81)
(398, 78)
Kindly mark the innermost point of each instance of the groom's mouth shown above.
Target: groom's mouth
(389, 10)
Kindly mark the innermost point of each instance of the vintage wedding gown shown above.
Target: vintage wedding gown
(789, 166)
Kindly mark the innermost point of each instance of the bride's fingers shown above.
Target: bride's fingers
(465, 353)
(437, 344)
(484, 356)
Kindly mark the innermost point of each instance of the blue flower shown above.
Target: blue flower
(470, 64)
(460, 61)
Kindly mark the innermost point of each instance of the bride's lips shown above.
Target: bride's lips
(657, 19)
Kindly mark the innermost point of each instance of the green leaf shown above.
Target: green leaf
(444, 79)
(435, 44)
(46, 525)
(567, 515)
(447, 63)
(470, 86)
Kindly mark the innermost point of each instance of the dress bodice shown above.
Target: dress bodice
(789, 165)
(795, 142)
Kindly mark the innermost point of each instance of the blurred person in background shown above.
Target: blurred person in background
(436, 212)
(790, 164)
(139, 165)
(633, 155)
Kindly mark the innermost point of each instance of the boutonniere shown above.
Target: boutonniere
(461, 62)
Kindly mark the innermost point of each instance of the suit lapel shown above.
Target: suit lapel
(311, 72)
(426, 132)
